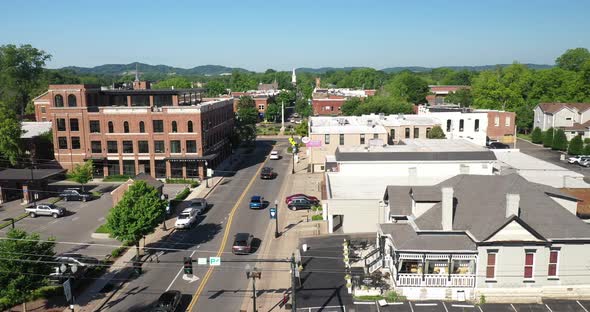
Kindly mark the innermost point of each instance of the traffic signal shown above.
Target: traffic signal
(188, 265)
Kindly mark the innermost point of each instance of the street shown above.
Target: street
(224, 286)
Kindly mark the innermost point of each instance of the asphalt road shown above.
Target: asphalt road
(550, 156)
(226, 286)
(73, 231)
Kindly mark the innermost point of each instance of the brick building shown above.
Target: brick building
(328, 102)
(262, 98)
(439, 93)
(164, 133)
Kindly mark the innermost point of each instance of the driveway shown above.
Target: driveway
(550, 156)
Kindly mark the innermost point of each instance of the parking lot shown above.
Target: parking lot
(550, 156)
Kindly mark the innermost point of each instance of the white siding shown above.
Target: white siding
(561, 118)
(570, 205)
(513, 231)
(359, 215)
(423, 169)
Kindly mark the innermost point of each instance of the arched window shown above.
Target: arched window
(59, 101)
(72, 100)
(126, 127)
(141, 127)
(174, 127)
(190, 126)
(111, 128)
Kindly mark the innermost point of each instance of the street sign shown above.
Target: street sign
(68, 290)
(273, 212)
(305, 140)
(215, 261)
(209, 172)
(202, 261)
(292, 141)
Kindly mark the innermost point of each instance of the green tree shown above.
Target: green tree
(247, 113)
(273, 111)
(537, 136)
(215, 88)
(461, 96)
(559, 141)
(287, 97)
(175, 82)
(81, 173)
(10, 134)
(137, 214)
(20, 70)
(587, 149)
(573, 59)
(436, 133)
(301, 129)
(351, 106)
(408, 87)
(303, 108)
(25, 266)
(576, 146)
(387, 105)
(548, 138)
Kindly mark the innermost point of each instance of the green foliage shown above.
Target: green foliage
(10, 133)
(116, 253)
(408, 87)
(175, 82)
(351, 106)
(537, 136)
(461, 96)
(25, 265)
(137, 214)
(436, 133)
(317, 218)
(303, 108)
(548, 138)
(192, 183)
(573, 59)
(215, 88)
(81, 173)
(384, 104)
(116, 178)
(273, 112)
(482, 299)
(559, 141)
(301, 129)
(103, 229)
(586, 140)
(183, 194)
(268, 129)
(587, 149)
(287, 97)
(576, 146)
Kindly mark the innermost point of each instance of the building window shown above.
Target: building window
(491, 265)
(160, 168)
(61, 124)
(74, 125)
(143, 147)
(341, 139)
(529, 264)
(175, 146)
(75, 142)
(111, 127)
(375, 135)
(428, 132)
(59, 101)
(158, 126)
(507, 121)
(190, 126)
(94, 126)
(96, 146)
(112, 147)
(327, 139)
(407, 133)
(191, 146)
(159, 147)
(476, 126)
(126, 127)
(174, 127)
(553, 261)
(141, 127)
(129, 167)
(261, 107)
(362, 139)
(497, 121)
(461, 125)
(416, 133)
(72, 100)
(62, 142)
(449, 123)
(392, 134)
(42, 109)
(128, 147)
(569, 118)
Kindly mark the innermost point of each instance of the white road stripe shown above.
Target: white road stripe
(364, 302)
(480, 308)
(177, 274)
(425, 304)
(411, 308)
(582, 306)
(463, 305)
(513, 308)
(445, 306)
(548, 308)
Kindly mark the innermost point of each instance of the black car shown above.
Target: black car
(267, 173)
(498, 145)
(75, 194)
(168, 301)
(300, 203)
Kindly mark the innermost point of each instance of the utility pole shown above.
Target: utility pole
(253, 274)
(206, 176)
(293, 285)
(283, 116)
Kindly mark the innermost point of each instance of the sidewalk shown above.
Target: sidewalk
(276, 277)
(95, 297)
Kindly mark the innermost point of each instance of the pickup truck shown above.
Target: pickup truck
(45, 210)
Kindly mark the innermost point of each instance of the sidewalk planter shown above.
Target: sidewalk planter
(367, 291)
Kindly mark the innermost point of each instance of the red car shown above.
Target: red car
(310, 198)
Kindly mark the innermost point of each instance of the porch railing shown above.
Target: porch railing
(435, 280)
(373, 261)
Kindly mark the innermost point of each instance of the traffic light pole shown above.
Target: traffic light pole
(293, 285)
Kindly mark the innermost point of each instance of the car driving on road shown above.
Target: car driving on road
(275, 155)
(168, 301)
(256, 202)
(242, 244)
(186, 218)
(267, 173)
(45, 210)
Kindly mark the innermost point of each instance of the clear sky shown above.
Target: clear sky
(279, 34)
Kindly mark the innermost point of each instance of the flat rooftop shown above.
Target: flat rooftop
(345, 125)
(370, 187)
(419, 145)
(32, 129)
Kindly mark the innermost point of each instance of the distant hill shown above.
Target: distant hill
(419, 69)
(129, 69)
(323, 70)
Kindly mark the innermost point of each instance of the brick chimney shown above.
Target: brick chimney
(447, 209)
(512, 205)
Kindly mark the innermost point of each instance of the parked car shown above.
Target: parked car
(311, 198)
(186, 218)
(199, 204)
(577, 159)
(256, 202)
(300, 203)
(267, 173)
(242, 244)
(45, 210)
(584, 162)
(275, 155)
(498, 145)
(75, 194)
(168, 301)
(77, 259)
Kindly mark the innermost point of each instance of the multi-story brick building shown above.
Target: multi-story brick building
(262, 98)
(438, 94)
(164, 133)
(328, 102)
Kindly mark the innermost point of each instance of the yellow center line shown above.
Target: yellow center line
(224, 240)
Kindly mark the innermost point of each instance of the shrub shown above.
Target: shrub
(537, 136)
(548, 138)
(559, 141)
(436, 133)
(192, 183)
(576, 146)
(116, 178)
(118, 252)
(587, 141)
(317, 218)
(392, 296)
(587, 149)
(183, 194)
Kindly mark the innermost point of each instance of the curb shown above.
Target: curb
(8, 223)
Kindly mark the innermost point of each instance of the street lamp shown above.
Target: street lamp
(253, 274)
(11, 222)
(206, 176)
(277, 234)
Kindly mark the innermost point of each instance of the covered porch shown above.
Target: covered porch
(433, 270)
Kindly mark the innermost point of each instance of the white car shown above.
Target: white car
(576, 159)
(275, 155)
(186, 218)
(199, 204)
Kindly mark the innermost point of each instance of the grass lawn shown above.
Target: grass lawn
(524, 136)
(102, 229)
(116, 178)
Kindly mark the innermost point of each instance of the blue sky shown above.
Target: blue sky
(278, 34)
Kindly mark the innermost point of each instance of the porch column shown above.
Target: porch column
(449, 266)
(423, 267)
(330, 223)
(184, 170)
(26, 194)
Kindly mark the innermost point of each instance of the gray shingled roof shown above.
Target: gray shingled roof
(414, 156)
(405, 238)
(426, 193)
(481, 202)
(25, 174)
(400, 203)
(153, 182)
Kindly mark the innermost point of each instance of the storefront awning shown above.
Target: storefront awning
(191, 158)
